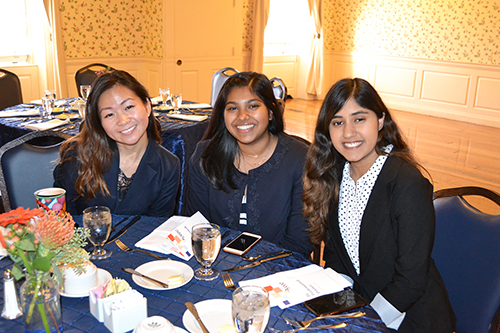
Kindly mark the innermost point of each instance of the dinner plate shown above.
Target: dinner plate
(176, 330)
(213, 312)
(162, 270)
(103, 276)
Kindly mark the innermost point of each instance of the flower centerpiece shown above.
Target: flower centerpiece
(39, 242)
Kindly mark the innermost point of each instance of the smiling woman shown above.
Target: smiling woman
(116, 159)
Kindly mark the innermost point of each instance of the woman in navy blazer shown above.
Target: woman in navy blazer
(365, 197)
(116, 159)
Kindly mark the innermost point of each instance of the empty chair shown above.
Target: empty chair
(467, 254)
(280, 91)
(26, 165)
(10, 89)
(218, 80)
(87, 74)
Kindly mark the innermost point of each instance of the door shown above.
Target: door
(202, 37)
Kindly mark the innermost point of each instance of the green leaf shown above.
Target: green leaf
(26, 245)
(42, 264)
(17, 272)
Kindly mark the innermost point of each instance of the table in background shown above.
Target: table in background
(170, 303)
(178, 136)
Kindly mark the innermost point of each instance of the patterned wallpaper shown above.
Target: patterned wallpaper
(112, 28)
(452, 30)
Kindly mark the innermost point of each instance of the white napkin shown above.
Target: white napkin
(47, 125)
(189, 117)
(19, 113)
(58, 102)
(296, 286)
(184, 106)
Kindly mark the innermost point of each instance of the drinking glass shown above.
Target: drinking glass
(85, 91)
(177, 102)
(165, 96)
(98, 220)
(250, 309)
(48, 107)
(205, 238)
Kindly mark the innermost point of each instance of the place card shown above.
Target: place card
(180, 237)
(296, 286)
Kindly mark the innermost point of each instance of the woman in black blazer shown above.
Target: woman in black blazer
(365, 197)
(116, 160)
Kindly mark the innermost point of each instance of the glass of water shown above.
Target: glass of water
(177, 102)
(165, 96)
(250, 309)
(98, 220)
(205, 238)
(48, 100)
(85, 91)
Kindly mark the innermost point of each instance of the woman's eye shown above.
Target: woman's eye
(128, 107)
(254, 106)
(108, 115)
(336, 123)
(359, 120)
(230, 108)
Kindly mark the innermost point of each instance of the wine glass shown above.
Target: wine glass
(98, 220)
(85, 91)
(165, 96)
(250, 309)
(177, 102)
(205, 238)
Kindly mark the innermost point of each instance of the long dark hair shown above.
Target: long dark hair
(94, 148)
(218, 158)
(321, 181)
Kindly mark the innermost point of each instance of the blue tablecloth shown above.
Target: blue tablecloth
(170, 303)
(178, 136)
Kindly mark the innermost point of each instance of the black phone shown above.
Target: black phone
(242, 243)
(342, 301)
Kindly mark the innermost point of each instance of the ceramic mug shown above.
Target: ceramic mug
(52, 198)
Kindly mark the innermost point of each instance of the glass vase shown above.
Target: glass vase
(40, 301)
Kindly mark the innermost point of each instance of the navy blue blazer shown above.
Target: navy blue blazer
(395, 246)
(153, 190)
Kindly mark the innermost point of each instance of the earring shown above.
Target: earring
(271, 115)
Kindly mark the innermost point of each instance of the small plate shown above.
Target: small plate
(162, 270)
(213, 312)
(67, 116)
(103, 276)
(176, 330)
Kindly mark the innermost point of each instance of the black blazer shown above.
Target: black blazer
(152, 192)
(395, 246)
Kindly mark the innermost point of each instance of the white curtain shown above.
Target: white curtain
(56, 65)
(315, 76)
(261, 14)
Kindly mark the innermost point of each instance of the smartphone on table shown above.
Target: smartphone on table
(242, 243)
(330, 304)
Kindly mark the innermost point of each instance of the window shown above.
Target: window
(14, 37)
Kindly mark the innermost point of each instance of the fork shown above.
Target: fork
(341, 325)
(307, 323)
(125, 248)
(228, 282)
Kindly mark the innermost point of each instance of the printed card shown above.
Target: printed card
(179, 239)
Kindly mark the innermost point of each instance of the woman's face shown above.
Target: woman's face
(354, 133)
(124, 116)
(246, 116)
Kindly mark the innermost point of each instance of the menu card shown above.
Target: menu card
(173, 236)
(296, 286)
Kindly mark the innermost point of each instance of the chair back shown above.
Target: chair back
(10, 89)
(467, 255)
(280, 92)
(218, 81)
(26, 165)
(88, 74)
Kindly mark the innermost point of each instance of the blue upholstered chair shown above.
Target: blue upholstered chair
(26, 165)
(218, 81)
(467, 254)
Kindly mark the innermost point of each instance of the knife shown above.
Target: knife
(190, 306)
(133, 271)
(257, 263)
(121, 232)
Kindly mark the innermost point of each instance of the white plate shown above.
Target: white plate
(103, 276)
(176, 330)
(161, 270)
(213, 312)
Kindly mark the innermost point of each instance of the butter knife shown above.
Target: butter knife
(190, 306)
(257, 263)
(133, 271)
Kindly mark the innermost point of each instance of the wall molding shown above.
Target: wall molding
(459, 91)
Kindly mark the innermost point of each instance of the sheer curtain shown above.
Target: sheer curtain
(315, 76)
(261, 14)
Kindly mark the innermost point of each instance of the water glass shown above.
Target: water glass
(51, 94)
(85, 91)
(205, 239)
(98, 220)
(250, 309)
(177, 102)
(48, 107)
(165, 96)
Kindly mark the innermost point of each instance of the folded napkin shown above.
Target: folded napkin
(185, 106)
(189, 117)
(296, 286)
(173, 236)
(47, 125)
(19, 113)
(58, 102)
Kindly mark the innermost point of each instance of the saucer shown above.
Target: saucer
(103, 276)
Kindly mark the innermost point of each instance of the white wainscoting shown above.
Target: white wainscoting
(458, 91)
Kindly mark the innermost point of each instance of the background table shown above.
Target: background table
(178, 136)
(170, 303)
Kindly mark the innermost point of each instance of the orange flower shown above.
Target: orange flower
(54, 229)
(18, 215)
